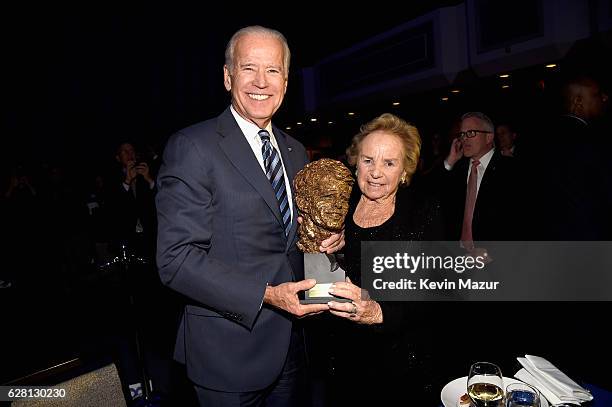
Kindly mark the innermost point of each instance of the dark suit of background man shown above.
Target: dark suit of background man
(474, 162)
(222, 241)
(131, 203)
(496, 211)
(573, 162)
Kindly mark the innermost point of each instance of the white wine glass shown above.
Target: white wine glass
(485, 385)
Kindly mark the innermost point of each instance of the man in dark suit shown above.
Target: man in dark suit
(482, 201)
(227, 234)
(572, 162)
(482, 193)
(131, 203)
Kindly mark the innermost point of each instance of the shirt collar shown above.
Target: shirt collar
(580, 119)
(485, 159)
(249, 129)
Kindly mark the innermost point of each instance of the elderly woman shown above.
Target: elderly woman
(381, 341)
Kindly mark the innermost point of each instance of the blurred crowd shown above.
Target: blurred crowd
(61, 223)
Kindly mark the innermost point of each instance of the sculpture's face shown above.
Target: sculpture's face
(322, 192)
(327, 205)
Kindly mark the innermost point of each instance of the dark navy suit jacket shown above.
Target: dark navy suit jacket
(498, 214)
(220, 242)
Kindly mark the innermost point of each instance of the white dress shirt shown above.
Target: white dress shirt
(482, 167)
(251, 133)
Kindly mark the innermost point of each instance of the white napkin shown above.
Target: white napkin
(526, 377)
(552, 381)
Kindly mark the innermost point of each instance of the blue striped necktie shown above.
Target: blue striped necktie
(274, 172)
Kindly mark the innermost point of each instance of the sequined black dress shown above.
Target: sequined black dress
(392, 362)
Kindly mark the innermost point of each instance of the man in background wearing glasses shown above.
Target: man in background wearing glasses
(481, 187)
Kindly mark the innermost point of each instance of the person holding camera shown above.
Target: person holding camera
(133, 223)
(132, 203)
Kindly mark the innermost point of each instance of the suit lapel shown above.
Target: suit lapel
(240, 154)
(488, 178)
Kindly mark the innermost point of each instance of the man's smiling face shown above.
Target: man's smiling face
(257, 79)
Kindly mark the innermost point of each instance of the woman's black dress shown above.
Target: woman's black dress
(391, 363)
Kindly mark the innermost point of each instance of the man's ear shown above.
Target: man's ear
(227, 78)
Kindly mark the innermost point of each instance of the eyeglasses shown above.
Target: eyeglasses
(471, 133)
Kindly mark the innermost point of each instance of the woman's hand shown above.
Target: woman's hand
(332, 244)
(360, 310)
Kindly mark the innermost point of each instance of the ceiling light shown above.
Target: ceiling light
(504, 75)
(455, 91)
(551, 66)
(288, 128)
(351, 113)
(330, 122)
(313, 119)
(444, 98)
(505, 86)
(396, 103)
(299, 123)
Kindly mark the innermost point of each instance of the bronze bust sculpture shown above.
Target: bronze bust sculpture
(322, 191)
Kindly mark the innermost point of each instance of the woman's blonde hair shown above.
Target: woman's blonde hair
(407, 134)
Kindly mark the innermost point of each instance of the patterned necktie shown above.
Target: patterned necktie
(470, 202)
(274, 172)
